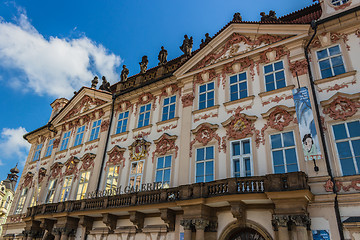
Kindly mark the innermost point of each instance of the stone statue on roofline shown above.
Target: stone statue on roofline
(187, 45)
(143, 64)
(124, 74)
(207, 39)
(271, 17)
(162, 56)
(94, 82)
(105, 86)
(237, 17)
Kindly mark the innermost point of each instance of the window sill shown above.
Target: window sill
(119, 134)
(77, 146)
(284, 89)
(206, 109)
(241, 100)
(330, 79)
(167, 121)
(142, 128)
(92, 141)
(46, 158)
(62, 151)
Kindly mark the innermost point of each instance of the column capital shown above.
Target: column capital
(300, 220)
(186, 223)
(280, 221)
(200, 224)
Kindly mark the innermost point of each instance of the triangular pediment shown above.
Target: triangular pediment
(83, 103)
(237, 40)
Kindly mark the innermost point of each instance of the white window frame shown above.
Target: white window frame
(274, 73)
(49, 148)
(65, 139)
(22, 200)
(338, 2)
(51, 191)
(112, 177)
(205, 161)
(329, 57)
(95, 130)
(83, 186)
(68, 180)
(168, 105)
(206, 94)
(135, 175)
(37, 152)
(345, 140)
(283, 151)
(163, 169)
(238, 85)
(79, 135)
(122, 122)
(241, 158)
(144, 113)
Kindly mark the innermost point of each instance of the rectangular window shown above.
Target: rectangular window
(122, 122)
(37, 152)
(83, 184)
(238, 86)
(207, 95)
(274, 76)
(95, 130)
(65, 192)
(136, 174)
(347, 139)
(330, 62)
(112, 177)
(51, 191)
(283, 152)
(205, 164)
(21, 201)
(49, 148)
(241, 158)
(35, 197)
(65, 141)
(163, 170)
(79, 135)
(144, 115)
(169, 108)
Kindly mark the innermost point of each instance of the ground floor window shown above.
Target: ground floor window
(51, 191)
(163, 170)
(241, 158)
(65, 192)
(83, 184)
(21, 202)
(112, 177)
(35, 197)
(136, 174)
(283, 152)
(205, 164)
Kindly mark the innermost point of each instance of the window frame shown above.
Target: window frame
(66, 138)
(163, 169)
(238, 85)
(241, 156)
(206, 95)
(51, 191)
(329, 58)
(79, 136)
(82, 185)
(37, 153)
(205, 161)
(66, 189)
(136, 174)
(95, 130)
(283, 150)
(122, 121)
(341, 2)
(144, 114)
(21, 201)
(348, 139)
(112, 186)
(273, 73)
(49, 148)
(169, 106)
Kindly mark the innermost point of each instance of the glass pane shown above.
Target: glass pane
(270, 86)
(354, 128)
(236, 166)
(236, 149)
(288, 139)
(209, 168)
(280, 75)
(246, 146)
(209, 178)
(322, 54)
(268, 68)
(269, 78)
(242, 76)
(173, 99)
(233, 79)
(142, 109)
(148, 107)
(210, 86)
(166, 101)
(292, 168)
(278, 158)
(278, 66)
(247, 164)
(279, 169)
(339, 131)
(210, 153)
(344, 150)
(167, 175)
(356, 148)
(339, 70)
(167, 161)
(200, 169)
(159, 176)
(200, 155)
(334, 50)
(276, 141)
(290, 156)
(280, 84)
(160, 162)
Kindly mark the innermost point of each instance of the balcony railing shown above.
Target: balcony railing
(230, 186)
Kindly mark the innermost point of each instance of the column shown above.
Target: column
(280, 224)
(57, 233)
(200, 225)
(65, 233)
(186, 223)
(301, 224)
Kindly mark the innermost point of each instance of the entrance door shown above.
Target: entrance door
(246, 234)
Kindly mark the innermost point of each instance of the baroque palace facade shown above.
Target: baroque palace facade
(255, 135)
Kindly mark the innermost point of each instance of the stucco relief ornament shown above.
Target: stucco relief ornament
(165, 144)
(105, 125)
(187, 100)
(341, 108)
(87, 161)
(55, 170)
(28, 180)
(56, 143)
(71, 166)
(239, 126)
(299, 67)
(204, 133)
(116, 156)
(41, 174)
(139, 149)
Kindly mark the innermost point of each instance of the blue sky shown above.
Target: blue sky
(49, 49)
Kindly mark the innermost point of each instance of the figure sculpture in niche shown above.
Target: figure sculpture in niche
(187, 45)
(124, 74)
(162, 56)
(94, 82)
(207, 39)
(143, 64)
(270, 17)
(237, 17)
(105, 85)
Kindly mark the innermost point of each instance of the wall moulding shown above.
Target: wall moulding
(327, 38)
(116, 157)
(341, 106)
(204, 133)
(164, 145)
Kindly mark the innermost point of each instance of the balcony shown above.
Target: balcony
(231, 186)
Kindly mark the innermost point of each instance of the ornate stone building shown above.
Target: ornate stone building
(255, 135)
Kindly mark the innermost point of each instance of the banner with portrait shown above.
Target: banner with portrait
(307, 129)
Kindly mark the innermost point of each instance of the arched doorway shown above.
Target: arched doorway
(244, 231)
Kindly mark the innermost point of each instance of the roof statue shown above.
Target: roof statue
(270, 17)
(94, 82)
(105, 85)
(186, 47)
(143, 64)
(162, 56)
(10, 181)
(124, 74)
(237, 17)
(207, 39)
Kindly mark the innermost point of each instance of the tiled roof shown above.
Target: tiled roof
(305, 15)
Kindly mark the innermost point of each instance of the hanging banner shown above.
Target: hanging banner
(305, 118)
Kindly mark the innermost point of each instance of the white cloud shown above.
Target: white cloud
(54, 66)
(13, 147)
